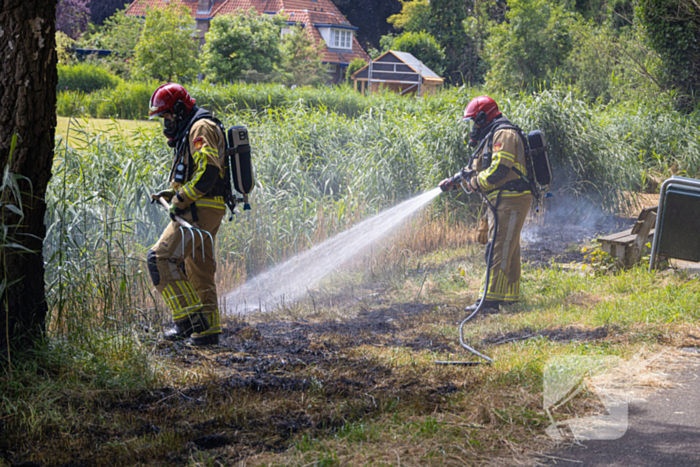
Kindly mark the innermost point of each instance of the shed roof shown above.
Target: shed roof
(395, 66)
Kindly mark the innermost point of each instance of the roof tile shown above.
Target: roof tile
(305, 12)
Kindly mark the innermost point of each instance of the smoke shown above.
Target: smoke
(564, 220)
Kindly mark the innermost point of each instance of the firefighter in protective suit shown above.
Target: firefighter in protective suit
(499, 173)
(186, 283)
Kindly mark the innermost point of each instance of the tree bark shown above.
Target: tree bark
(28, 80)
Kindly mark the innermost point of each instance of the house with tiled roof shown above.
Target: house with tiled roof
(320, 18)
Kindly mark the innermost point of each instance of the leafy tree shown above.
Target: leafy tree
(610, 64)
(355, 65)
(370, 17)
(241, 43)
(301, 57)
(100, 10)
(121, 34)
(447, 26)
(531, 45)
(414, 16)
(421, 45)
(672, 29)
(63, 48)
(167, 48)
(72, 17)
(460, 27)
(482, 15)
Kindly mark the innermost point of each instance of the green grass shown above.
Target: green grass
(99, 125)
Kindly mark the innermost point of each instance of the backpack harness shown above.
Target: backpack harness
(237, 157)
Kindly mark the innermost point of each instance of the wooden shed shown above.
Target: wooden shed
(399, 72)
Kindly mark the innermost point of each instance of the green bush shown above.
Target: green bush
(85, 78)
(353, 67)
(241, 43)
(530, 46)
(421, 45)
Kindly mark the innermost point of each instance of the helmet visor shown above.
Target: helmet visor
(155, 114)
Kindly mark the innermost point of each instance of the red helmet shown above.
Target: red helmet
(166, 99)
(481, 110)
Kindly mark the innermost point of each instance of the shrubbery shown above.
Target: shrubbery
(244, 42)
(421, 45)
(85, 78)
(127, 100)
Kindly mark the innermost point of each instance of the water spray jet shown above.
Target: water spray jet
(291, 280)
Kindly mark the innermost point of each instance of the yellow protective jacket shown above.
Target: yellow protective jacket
(506, 152)
(204, 152)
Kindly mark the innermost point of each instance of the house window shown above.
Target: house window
(341, 39)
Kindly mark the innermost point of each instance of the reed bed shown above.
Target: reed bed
(325, 159)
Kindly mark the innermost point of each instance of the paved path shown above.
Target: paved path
(663, 431)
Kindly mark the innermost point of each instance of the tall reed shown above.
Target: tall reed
(319, 171)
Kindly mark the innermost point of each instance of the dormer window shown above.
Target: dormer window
(341, 39)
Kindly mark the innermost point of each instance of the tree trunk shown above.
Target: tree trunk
(28, 80)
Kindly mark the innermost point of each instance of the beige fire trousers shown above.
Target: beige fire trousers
(512, 210)
(182, 274)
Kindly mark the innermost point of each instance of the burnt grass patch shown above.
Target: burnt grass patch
(567, 334)
(266, 383)
(551, 241)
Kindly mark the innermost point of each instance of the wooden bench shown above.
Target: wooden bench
(628, 246)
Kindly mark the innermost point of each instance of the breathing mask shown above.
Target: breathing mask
(475, 136)
(170, 128)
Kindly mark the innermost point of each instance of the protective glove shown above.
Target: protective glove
(167, 195)
(482, 233)
(472, 185)
(449, 184)
(175, 211)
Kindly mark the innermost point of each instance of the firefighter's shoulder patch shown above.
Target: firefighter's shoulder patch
(198, 143)
(497, 146)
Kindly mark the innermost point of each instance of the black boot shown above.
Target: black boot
(205, 339)
(196, 322)
(490, 306)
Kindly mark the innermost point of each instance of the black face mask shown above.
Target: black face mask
(171, 127)
(474, 136)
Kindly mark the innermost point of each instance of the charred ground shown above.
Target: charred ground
(346, 377)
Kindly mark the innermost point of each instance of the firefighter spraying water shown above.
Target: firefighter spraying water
(508, 170)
